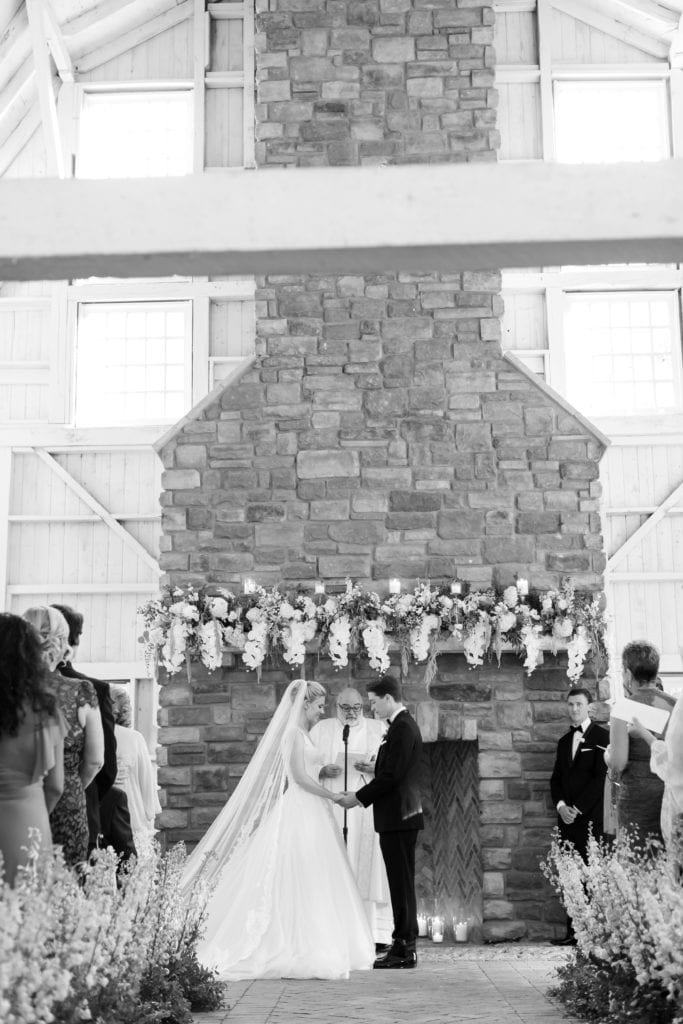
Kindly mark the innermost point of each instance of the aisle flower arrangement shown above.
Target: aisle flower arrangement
(84, 948)
(189, 625)
(627, 912)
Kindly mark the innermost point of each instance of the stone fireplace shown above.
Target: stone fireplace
(380, 432)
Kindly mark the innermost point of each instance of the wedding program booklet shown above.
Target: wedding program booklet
(654, 719)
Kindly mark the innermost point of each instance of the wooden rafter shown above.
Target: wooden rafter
(57, 43)
(586, 11)
(140, 34)
(46, 93)
(367, 219)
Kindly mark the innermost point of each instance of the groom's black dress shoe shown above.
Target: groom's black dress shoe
(398, 958)
(382, 947)
(568, 940)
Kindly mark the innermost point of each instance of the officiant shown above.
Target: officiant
(364, 737)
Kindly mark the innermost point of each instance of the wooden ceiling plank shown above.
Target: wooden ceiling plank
(140, 34)
(587, 13)
(15, 46)
(18, 138)
(420, 218)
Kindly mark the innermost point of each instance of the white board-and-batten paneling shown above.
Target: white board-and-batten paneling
(61, 550)
(165, 57)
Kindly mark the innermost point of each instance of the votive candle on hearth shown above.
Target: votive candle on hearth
(422, 925)
(394, 586)
(456, 588)
(319, 587)
(460, 929)
(437, 929)
(249, 586)
(522, 587)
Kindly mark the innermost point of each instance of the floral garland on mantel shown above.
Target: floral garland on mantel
(201, 625)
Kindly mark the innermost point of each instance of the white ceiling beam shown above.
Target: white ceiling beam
(85, 35)
(333, 220)
(649, 11)
(15, 45)
(587, 13)
(19, 138)
(140, 34)
(16, 100)
(676, 51)
(57, 43)
(46, 94)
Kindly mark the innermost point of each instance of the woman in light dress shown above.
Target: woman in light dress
(285, 902)
(666, 761)
(135, 773)
(31, 744)
(83, 742)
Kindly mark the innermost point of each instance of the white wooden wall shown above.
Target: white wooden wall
(642, 509)
(79, 508)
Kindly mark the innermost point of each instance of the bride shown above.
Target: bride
(285, 902)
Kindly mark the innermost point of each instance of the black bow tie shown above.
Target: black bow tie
(576, 728)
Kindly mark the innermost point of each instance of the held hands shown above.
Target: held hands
(347, 800)
(568, 814)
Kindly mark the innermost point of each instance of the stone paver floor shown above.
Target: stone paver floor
(502, 984)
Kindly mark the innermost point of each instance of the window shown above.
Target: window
(135, 134)
(133, 362)
(622, 352)
(611, 121)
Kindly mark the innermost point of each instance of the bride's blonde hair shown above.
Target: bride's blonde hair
(313, 690)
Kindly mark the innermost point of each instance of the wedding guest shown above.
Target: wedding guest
(135, 774)
(578, 780)
(640, 791)
(394, 794)
(31, 744)
(116, 826)
(104, 779)
(364, 737)
(666, 761)
(84, 741)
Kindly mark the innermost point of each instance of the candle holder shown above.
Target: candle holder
(422, 925)
(456, 588)
(460, 930)
(436, 932)
(319, 587)
(249, 586)
(522, 587)
(394, 586)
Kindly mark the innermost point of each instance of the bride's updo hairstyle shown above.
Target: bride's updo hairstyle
(313, 690)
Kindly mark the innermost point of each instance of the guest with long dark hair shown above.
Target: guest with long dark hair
(31, 743)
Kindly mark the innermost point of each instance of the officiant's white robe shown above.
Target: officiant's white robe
(363, 842)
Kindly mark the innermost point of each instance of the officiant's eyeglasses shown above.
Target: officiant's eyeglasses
(349, 709)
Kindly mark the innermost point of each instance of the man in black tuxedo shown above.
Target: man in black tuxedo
(578, 781)
(397, 808)
(104, 779)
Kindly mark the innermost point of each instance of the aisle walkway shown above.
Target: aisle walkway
(453, 985)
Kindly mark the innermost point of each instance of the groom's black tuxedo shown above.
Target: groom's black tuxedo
(580, 782)
(397, 809)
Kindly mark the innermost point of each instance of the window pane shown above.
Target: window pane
(617, 360)
(135, 135)
(127, 370)
(611, 122)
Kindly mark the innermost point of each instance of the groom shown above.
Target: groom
(395, 797)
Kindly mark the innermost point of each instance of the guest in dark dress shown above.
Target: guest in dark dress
(84, 741)
(116, 827)
(639, 790)
(31, 745)
(104, 780)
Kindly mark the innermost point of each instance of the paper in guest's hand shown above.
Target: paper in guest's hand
(654, 719)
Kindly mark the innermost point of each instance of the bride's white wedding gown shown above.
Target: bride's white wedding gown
(287, 905)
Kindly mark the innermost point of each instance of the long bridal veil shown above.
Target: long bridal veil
(257, 797)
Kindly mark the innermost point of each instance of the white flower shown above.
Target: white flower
(254, 614)
(563, 627)
(547, 604)
(294, 638)
(506, 621)
(210, 644)
(217, 607)
(309, 608)
(376, 645)
(445, 602)
(339, 639)
(330, 606)
(255, 645)
(562, 604)
(511, 596)
(286, 610)
(420, 636)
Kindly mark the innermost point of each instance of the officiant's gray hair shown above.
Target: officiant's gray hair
(313, 689)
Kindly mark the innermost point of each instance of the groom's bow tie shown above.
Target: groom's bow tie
(577, 728)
